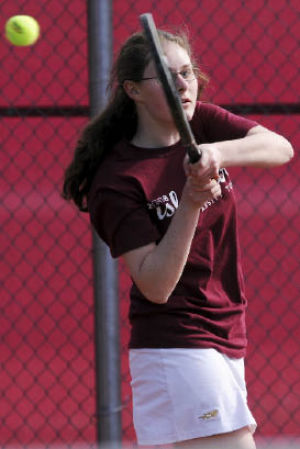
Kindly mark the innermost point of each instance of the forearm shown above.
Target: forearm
(260, 148)
(162, 267)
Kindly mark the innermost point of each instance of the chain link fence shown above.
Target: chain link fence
(251, 52)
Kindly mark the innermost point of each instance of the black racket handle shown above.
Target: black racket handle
(194, 153)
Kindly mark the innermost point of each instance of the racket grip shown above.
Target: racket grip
(194, 153)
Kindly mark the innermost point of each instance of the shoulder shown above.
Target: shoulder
(114, 167)
(204, 111)
(205, 116)
(218, 123)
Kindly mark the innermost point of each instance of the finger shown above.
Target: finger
(216, 191)
(205, 184)
(201, 187)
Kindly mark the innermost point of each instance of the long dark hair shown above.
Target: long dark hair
(119, 118)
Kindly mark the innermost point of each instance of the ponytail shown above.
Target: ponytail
(118, 120)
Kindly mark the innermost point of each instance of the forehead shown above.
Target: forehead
(176, 56)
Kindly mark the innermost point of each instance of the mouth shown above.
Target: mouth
(185, 101)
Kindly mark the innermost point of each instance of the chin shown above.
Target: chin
(189, 109)
(189, 113)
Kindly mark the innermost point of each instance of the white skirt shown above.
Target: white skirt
(181, 394)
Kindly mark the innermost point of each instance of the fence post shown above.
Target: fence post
(106, 296)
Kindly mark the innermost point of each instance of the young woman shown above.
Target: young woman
(175, 225)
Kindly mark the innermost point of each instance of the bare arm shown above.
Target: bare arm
(156, 269)
(259, 148)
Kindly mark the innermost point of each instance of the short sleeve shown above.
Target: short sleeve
(217, 123)
(122, 221)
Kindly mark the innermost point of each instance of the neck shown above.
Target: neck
(154, 134)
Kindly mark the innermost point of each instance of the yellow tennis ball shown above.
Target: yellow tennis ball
(22, 30)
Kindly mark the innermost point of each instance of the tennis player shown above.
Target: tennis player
(175, 225)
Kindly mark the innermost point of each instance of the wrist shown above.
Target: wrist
(191, 201)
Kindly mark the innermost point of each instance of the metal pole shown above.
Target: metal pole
(107, 333)
(108, 378)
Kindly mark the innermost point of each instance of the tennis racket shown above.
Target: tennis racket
(169, 88)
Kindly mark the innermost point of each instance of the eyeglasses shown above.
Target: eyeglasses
(188, 74)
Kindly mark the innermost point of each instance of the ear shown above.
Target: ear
(131, 89)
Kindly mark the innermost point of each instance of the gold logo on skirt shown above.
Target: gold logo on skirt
(209, 415)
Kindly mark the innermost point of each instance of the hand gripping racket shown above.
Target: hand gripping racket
(169, 88)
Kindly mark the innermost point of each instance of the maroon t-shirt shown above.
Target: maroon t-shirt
(133, 198)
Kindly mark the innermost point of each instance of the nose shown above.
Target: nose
(180, 82)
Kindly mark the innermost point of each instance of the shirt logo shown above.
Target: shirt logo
(209, 415)
(165, 205)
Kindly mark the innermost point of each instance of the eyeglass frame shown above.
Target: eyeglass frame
(194, 71)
